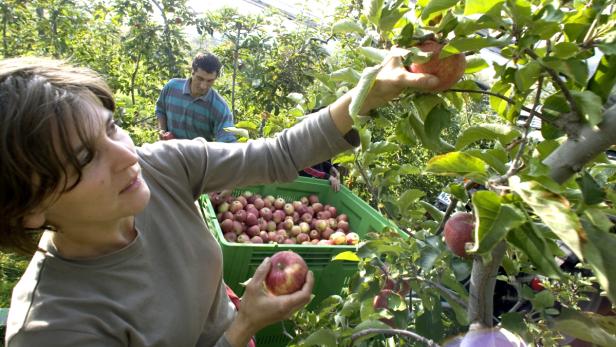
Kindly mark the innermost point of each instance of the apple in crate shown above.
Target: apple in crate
(287, 274)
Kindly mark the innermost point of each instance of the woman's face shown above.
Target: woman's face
(111, 187)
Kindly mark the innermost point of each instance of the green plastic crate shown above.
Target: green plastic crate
(241, 260)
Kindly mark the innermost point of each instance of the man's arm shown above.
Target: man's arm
(161, 112)
(225, 122)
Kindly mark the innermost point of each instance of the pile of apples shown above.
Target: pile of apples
(252, 218)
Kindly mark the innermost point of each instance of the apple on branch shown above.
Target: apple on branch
(458, 231)
(448, 70)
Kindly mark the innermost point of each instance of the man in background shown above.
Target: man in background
(190, 108)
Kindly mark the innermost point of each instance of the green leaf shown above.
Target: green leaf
(543, 300)
(437, 120)
(514, 322)
(495, 158)
(365, 138)
(501, 132)
(347, 255)
(429, 324)
(409, 197)
(521, 12)
(554, 210)
(591, 191)
(544, 29)
(475, 64)
(495, 220)
(382, 147)
(404, 133)
(464, 44)
(480, 6)
(370, 324)
(604, 78)
(599, 253)
(363, 88)
(321, 337)
(527, 75)
(565, 50)
(590, 105)
(373, 10)
(435, 6)
(434, 212)
(246, 125)
(237, 131)
(499, 105)
(434, 144)
(526, 239)
(425, 104)
(374, 55)
(389, 18)
(457, 163)
(346, 75)
(587, 326)
(347, 26)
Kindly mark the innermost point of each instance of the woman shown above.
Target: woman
(125, 258)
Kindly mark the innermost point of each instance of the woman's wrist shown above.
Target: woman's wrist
(240, 331)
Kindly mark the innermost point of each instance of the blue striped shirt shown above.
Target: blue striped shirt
(189, 117)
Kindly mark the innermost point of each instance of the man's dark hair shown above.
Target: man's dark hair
(207, 62)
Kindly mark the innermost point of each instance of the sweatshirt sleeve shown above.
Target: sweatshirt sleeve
(213, 166)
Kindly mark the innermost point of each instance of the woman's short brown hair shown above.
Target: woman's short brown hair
(39, 98)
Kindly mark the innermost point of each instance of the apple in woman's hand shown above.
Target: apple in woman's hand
(287, 274)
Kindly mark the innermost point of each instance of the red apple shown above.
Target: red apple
(287, 274)
(338, 238)
(380, 302)
(314, 234)
(258, 203)
(302, 237)
(449, 70)
(352, 238)
(313, 198)
(458, 231)
(279, 203)
(256, 239)
(243, 238)
(230, 236)
(227, 226)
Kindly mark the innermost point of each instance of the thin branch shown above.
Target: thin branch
(450, 208)
(372, 190)
(556, 78)
(515, 164)
(450, 293)
(393, 332)
(500, 96)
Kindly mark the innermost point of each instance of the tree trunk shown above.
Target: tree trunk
(481, 294)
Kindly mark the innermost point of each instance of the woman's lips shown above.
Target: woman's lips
(134, 183)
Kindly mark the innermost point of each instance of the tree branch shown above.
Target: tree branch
(481, 293)
(393, 332)
(509, 100)
(571, 156)
(561, 85)
(515, 164)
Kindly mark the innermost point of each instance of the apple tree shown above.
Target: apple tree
(533, 172)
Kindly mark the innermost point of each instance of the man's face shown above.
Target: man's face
(201, 82)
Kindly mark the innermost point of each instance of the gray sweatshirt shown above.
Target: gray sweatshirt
(165, 288)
